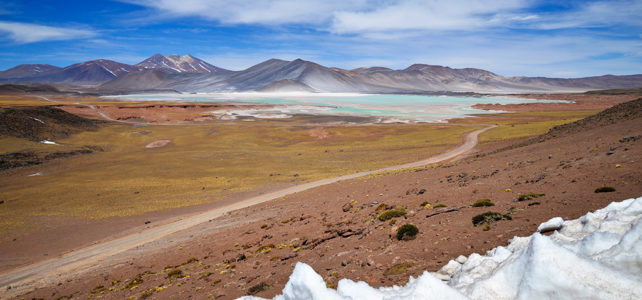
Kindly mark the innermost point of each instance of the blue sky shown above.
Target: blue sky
(508, 37)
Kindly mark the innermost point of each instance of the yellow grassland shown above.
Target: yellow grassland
(202, 164)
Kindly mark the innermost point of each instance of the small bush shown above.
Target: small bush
(389, 214)
(605, 189)
(533, 203)
(176, 273)
(423, 204)
(264, 226)
(381, 207)
(392, 222)
(439, 205)
(483, 202)
(407, 232)
(264, 249)
(398, 268)
(258, 288)
(135, 282)
(489, 217)
(486, 227)
(529, 196)
(98, 289)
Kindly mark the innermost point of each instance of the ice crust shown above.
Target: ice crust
(598, 256)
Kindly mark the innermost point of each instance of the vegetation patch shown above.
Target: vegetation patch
(98, 289)
(134, 283)
(533, 203)
(482, 203)
(265, 249)
(440, 205)
(398, 268)
(258, 288)
(529, 196)
(390, 214)
(381, 207)
(604, 189)
(489, 217)
(407, 232)
(176, 273)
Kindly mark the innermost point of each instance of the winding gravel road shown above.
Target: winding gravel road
(23, 279)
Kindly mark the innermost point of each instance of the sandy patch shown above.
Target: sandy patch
(158, 144)
(318, 133)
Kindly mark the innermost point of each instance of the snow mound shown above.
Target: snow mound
(598, 256)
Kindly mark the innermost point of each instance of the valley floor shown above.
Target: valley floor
(335, 229)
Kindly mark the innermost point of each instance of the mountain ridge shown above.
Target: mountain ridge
(190, 74)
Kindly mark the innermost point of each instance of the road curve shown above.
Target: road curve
(22, 279)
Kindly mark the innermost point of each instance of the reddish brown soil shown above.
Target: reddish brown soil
(160, 113)
(579, 102)
(341, 238)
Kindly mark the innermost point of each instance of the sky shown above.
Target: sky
(508, 37)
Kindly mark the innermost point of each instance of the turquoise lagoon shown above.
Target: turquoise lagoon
(387, 107)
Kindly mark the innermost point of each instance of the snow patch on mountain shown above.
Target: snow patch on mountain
(179, 64)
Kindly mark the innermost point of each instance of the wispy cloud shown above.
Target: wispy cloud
(267, 12)
(24, 33)
(594, 14)
(426, 15)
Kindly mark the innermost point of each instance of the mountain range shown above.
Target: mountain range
(190, 74)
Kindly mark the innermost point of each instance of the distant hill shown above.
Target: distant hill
(22, 71)
(179, 64)
(190, 74)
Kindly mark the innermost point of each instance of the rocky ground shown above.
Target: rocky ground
(349, 229)
(586, 101)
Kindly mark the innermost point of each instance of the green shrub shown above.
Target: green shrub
(176, 273)
(98, 289)
(407, 232)
(439, 205)
(483, 202)
(258, 288)
(389, 214)
(264, 249)
(381, 207)
(604, 189)
(489, 217)
(533, 203)
(529, 196)
(398, 268)
(423, 204)
(135, 282)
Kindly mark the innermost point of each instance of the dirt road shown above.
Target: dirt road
(21, 280)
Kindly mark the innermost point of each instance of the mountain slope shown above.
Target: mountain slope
(27, 70)
(87, 73)
(179, 64)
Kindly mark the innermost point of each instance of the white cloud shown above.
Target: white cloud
(29, 33)
(271, 12)
(425, 15)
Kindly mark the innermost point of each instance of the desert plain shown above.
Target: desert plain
(80, 171)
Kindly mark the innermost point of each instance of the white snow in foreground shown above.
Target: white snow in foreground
(48, 142)
(598, 256)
